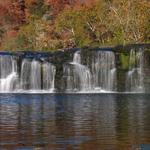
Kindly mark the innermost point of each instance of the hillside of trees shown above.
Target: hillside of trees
(57, 24)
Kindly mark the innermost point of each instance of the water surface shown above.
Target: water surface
(74, 121)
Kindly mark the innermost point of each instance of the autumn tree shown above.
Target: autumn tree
(53, 24)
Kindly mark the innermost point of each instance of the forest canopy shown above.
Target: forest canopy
(56, 24)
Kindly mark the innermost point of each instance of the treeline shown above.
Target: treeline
(56, 24)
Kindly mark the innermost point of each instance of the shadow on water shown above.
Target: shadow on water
(74, 121)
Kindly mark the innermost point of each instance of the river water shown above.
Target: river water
(74, 121)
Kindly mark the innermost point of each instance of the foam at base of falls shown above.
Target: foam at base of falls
(8, 73)
(8, 83)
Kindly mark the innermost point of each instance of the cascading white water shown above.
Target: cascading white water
(82, 77)
(101, 76)
(135, 75)
(49, 72)
(36, 75)
(8, 73)
(25, 74)
(78, 76)
(77, 58)
(9, 83)
(82, 74)
(104, 71)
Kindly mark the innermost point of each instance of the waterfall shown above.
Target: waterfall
(82, 74)
(84, 70)
(82, 77)
(68, 76)
(100, 76)
(25, 74)
(49, 72)
(104, 71)
(36, 75)
(134, 81)
(78, 76)
(77, 58)
(8, 73)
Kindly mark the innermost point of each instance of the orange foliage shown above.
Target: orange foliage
(11, 9)
(59, 5)
(30, 2)
(12, 33)
(4, 7)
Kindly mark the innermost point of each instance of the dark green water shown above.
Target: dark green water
(74, 122)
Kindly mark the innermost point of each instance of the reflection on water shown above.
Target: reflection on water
(80, 122)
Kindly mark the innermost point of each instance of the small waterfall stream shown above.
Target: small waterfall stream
(104, 71)
(25, 74)
(49, 72)
(35, 75)
(135, 75)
